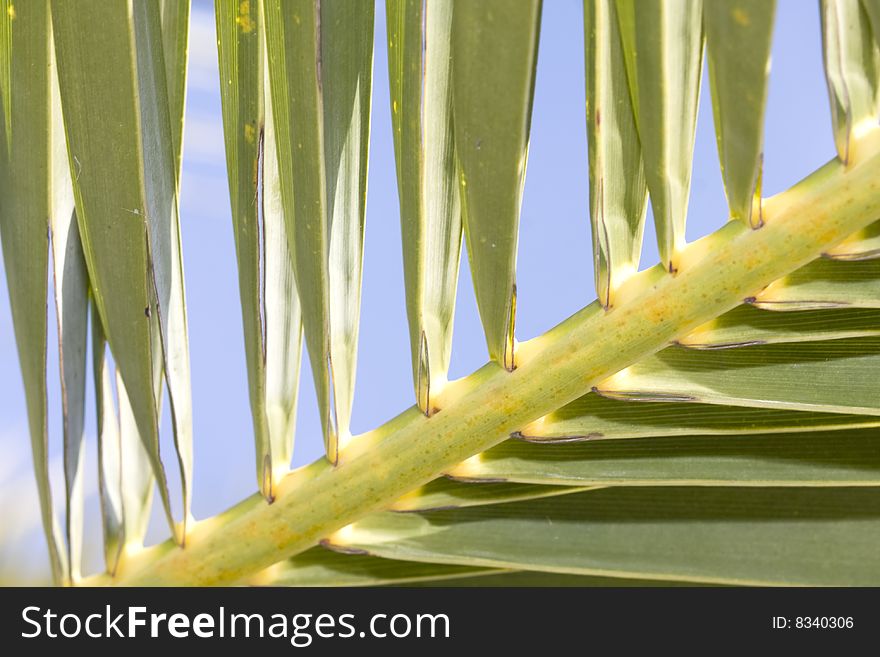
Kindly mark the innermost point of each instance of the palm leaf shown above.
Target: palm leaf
(618, 192)
(863, 245)
(322, 567)
(526, 578)
(852, 65)
(817, 458)
(593, 416)
(872, 8)
(320, 67)
(494, 56)
(747, 325)
(824, 284)
(109, 449)
(136, 481)
(419, 72)
(269, 302)
(663, 48)
(175, 43)
(738, 37)
(71, 287)
(162, 144)
(238, 45)
(760, 536)
(834, 376)
(32, 191)
(138, 218)
(446, 494)
(283, 314)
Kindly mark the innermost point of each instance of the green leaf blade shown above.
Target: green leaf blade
(752, 536)
(241, 95)
(835, 376)
(161, 143)
(663, 46)
(852, 66)
(136, 477)
(175, 45)
(125, 476)
(27, 201)
(824, 283)
(863, 245)
(124, 173)
(445, 493)
(747, 325)
(593, 417)
(271, 310)
(109, 450)
(738, 40)
(322, 567)
(71, 286)
(419, 38)
(320, 67)
(283, 313)
(817, 458)
(618, 192)
(494, 56)
(527, 578)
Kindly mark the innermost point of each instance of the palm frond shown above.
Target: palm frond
(679, 429)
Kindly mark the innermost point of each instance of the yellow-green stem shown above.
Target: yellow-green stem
(481, 410)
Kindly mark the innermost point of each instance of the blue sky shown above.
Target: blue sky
(554, 273)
